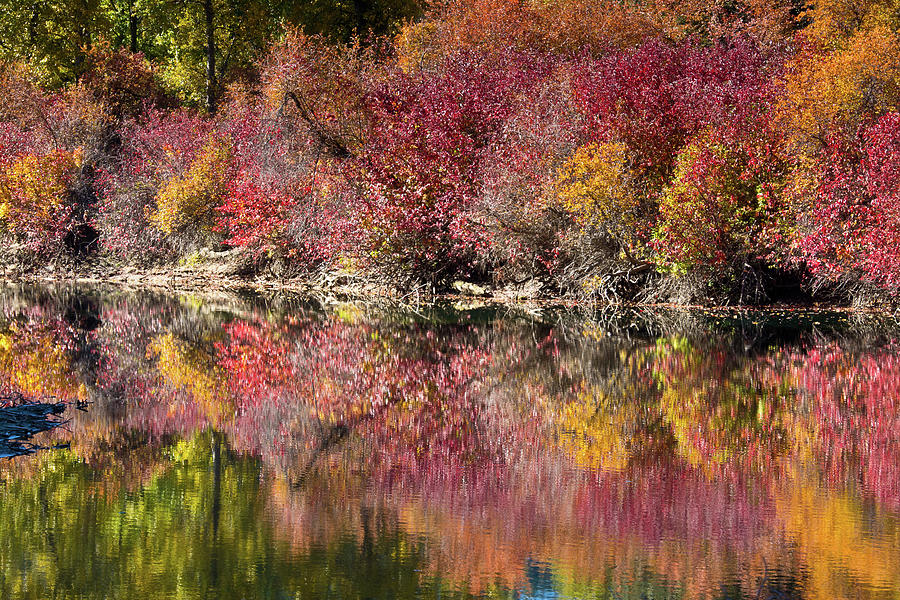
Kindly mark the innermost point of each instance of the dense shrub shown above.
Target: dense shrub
(582, 146)
(655, 97)
(597, 186)
(120, 83)
(189, 199)
(852, 224)
(159, 147)
(36, 197)
(720, 210)
(419, 172)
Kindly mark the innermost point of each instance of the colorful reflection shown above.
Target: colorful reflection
(242, 449)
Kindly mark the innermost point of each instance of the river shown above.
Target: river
(245, 447)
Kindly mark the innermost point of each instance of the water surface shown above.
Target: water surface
(242, 448)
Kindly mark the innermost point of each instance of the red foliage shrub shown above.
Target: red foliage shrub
(286, 198)
(654, 97)
(881, 173)
(851, 229)
(419, 171)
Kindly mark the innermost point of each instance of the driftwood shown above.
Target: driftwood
(21, 419)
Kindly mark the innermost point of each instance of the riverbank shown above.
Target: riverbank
(235, 271)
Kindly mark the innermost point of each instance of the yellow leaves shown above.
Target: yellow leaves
(34, 186)
(38, 366)
(189, 199)
(417, 45)
(187, 368)
(590, 428)
(596, 186)
(833, 22)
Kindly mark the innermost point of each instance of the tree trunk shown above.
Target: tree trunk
(132, 27)
(211, 83)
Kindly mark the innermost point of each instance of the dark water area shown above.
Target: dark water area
(249, 448)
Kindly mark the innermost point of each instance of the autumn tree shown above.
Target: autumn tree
(51, 37)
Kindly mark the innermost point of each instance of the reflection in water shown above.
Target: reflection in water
(246, 450)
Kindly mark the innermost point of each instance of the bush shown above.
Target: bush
(36, 200)
(118, 83)
(323, 87)
(159, 147)
(657, 96)
(850, 229)
(597, 186)
(189, 200)
(513, 219)
(419, 173)
(720, 211)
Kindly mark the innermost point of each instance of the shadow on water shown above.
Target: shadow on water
(21, 420)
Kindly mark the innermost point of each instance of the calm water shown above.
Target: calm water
(243, 449)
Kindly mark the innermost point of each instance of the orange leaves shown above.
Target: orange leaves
(119, 83)
(555, 27)
(834, 23)
(322, 86)
(837, 91)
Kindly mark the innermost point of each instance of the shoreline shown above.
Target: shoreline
(223, 278)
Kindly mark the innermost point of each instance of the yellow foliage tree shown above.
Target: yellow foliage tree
(190, 199)
(418, 45)
(34, 188)
(596, 186)
(834, 22)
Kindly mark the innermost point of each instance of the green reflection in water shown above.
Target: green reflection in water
(196, 530)
(199, 529)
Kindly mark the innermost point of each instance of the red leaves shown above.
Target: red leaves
(447, 169)
(155, 149)
(655, 96)
(253, 216)
(853, 223)
(420, 170)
